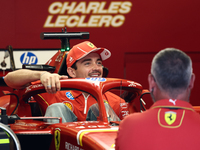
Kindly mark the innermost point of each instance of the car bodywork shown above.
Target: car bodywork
(18, 109)
(34, 132)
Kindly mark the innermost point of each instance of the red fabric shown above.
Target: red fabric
(150, 130)
(78, 104)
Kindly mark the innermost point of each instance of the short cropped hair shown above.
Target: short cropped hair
(74, 65)
(172, 70)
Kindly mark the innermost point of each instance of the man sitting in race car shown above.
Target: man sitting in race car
(84, 60)
(171, 122)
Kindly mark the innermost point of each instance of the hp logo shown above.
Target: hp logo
(28, 58)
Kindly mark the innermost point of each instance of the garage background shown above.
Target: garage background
(134, 30)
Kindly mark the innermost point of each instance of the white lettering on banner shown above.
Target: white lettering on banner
(84, 14)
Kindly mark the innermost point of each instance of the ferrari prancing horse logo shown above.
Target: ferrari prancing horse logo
(170, 117)
(90, 45)
(57, 138)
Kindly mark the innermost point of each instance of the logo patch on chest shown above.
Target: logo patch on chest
(69, 95)
(69, 105)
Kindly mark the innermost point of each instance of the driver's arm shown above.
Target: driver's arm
(21, 78)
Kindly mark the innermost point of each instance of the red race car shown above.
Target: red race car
(30, 130)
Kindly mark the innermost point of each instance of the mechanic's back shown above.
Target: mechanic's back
(171, 123)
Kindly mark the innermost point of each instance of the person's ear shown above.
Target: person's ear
(152, 82)
(191, 85)
(71, 71)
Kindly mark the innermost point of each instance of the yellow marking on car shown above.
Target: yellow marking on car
(4, 141)
(81, 133)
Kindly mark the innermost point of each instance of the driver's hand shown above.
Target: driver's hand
(51, 81)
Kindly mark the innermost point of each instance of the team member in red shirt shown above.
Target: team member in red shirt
(171, 123)
(84, 60)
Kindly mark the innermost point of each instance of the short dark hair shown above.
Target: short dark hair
(172, 70)
(74, 65)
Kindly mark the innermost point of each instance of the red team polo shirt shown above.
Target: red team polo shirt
(77, 103)
(167, 125)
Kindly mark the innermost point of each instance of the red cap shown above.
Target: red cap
(82, 49)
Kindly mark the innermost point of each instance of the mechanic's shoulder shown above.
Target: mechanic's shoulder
(136, 116)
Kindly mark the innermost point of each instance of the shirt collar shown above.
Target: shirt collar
(173, 104)
(76, 93)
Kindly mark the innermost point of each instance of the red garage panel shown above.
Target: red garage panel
(137, 67)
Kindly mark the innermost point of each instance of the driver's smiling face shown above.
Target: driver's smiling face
(89, 66)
